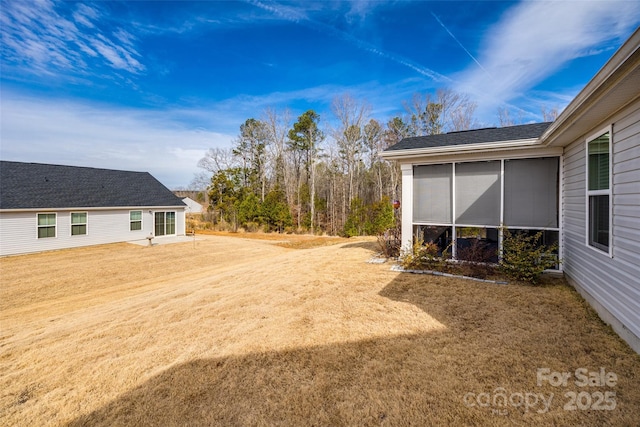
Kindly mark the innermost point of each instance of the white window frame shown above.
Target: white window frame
(608, 192)
(86, 223)
(132, 221)
(55, 226)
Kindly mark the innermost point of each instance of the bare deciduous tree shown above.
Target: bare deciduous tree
(279, 176)
(217, 159)
(457, 110)
(200, 181)
(505, 118)
(549, 115)
(351, 115)
(446, 111)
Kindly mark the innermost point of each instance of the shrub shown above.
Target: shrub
(380, 217)
(390, 242)
(249, 211)
(524, 258)
(371, 219)
(275, 211)
(421, 255)
(252, 227)
(355, 224)
(477, 259)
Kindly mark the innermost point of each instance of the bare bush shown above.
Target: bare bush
(390, 242)
(477, 259)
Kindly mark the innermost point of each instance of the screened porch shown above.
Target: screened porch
(461, 205)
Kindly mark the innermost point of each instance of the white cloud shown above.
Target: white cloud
(84, 15)
(359, 10)
(72, 133)
(37, 37)
(117, 56)
(534, 40)
(167, 142)
(125, 37)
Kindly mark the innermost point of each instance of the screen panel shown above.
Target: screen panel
(531, 192)
(432, 193)
(478, 193)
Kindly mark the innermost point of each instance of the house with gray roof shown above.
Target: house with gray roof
(45, 207)
(575, 180)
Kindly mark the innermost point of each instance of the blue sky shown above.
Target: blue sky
(152, 85)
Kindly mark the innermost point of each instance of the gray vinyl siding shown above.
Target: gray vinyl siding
(614, 282)
(18, 230)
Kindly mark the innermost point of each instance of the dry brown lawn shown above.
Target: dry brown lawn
(238, 331)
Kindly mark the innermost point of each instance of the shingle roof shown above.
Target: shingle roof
(43, 186)
(477, 136)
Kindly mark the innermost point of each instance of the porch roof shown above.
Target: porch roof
(474, 136)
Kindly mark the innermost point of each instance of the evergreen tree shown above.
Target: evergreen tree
(305, 138)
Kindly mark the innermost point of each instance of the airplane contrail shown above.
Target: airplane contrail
(302, 19)
(458, 41)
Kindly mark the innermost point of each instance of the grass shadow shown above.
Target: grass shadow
(372, 246)
(496, 336)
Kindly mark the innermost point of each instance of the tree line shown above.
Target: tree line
(300, 175)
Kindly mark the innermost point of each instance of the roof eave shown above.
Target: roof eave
(84, 208)
(460, 149)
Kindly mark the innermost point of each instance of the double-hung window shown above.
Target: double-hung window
(78, 223)
(46, 225)
(135, 220)
(599, 191)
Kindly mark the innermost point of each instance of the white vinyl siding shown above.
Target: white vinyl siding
(18, 230)
(612, 281)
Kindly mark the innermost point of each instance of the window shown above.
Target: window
(165, 223)
(159, 224)
(599, 191)
(78, 223)
(171, 223)
(46, 225)
(135, 220)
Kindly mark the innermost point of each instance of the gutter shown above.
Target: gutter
(101, 208)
